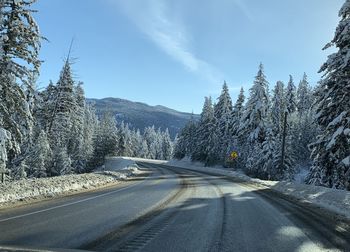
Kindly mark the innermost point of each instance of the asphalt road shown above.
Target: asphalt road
(175, 210)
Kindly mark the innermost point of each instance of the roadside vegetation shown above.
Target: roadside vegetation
(276, 134)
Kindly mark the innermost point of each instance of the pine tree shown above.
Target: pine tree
(237, 138)
(144, 153)
(180, 150)
(65, 104)
(61, 163)
(45, 106)
(304, 96)
(207, 136)
(76, 138)
(157, 145)
(89, 130)
(126, 133)
(285, 157)
(150, 136)
(186, 140)
(223, 112)
(237, 113)
(254, 122)
(264, 162)
(331, 151)
(5, 137)
(305, 130)
(278, 108)
(39, 156)
(285, 170)
(19, 64)
(108, 136)
(167, 146)
(139, 150)
(291, 99)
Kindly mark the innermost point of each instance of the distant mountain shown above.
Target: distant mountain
(140, 115)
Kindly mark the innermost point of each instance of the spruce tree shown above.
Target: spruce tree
(285, 165)
(305, 130)
(223, 112)
(278, 108)
(167, 146)
(331, 151)
(207, 136)
(304, 95)
(150, 137)
(76, 142)
(39, 157)
(266, 156)
(291, 99)
(237, 113)
(65, 104)
(254, 122)
(19, 65)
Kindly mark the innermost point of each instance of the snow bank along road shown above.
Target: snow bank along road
(175, 209)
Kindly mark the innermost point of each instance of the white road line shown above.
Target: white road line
(69, 204)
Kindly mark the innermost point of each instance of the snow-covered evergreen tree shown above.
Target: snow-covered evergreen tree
(167, 145)
(105, 139)
(61, 163)
(150, 136)
(331, 151)
(39, 156)
(264, 162)
(291, 99)
(304, 95)
(278, 108)
(144, 153)
(19, 63)
(65, 105)
(207, 136)
(285, 170)
(284, 162)
(255, 121)
(44, 111)
(237, 113)
(255, 116)
(76, 142)
(186, 141)
(223, 113)
(89, 130)
(5, 137)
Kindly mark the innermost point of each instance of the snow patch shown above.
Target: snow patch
(117, 164)
(115, 170)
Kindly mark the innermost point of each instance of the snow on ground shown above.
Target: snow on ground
(115, 170)
(154, 161)
(337, 201)
(302, 172)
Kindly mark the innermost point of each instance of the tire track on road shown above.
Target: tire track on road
(122, 234)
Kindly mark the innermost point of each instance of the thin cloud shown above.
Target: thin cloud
(244, 9)
(169, 35)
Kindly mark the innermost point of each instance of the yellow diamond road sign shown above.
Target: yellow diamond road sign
(234, 155)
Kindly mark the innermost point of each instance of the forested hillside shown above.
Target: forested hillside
(140, 115)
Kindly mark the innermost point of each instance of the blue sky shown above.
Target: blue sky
(173, 53)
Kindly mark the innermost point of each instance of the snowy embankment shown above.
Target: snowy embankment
(334, 200)
(115, 170)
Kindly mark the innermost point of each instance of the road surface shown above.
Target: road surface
(175, 209)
